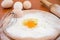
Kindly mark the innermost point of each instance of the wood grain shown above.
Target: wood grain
(36, 4)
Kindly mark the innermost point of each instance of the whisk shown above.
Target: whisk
(6, 20)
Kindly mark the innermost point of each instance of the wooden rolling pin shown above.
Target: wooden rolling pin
(54, 8)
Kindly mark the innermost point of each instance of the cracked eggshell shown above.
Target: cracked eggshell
(18, 13)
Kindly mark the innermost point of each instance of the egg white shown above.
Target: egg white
(45, 26)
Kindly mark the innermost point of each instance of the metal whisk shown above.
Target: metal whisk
(5, 21)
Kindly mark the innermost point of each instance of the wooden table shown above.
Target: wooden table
(36, 4)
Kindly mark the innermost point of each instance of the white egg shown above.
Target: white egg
(34, 24)
(7, 3)
(18, 5)
(27, 4)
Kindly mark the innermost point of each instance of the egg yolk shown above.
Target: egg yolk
(30, 23)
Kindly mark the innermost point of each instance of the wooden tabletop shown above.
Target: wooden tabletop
(36, 4)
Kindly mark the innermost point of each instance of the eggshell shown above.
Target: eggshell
(18, 13)
(18, 5)
(27, 4)
(7, 3)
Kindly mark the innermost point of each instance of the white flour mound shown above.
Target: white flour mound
(45, 27)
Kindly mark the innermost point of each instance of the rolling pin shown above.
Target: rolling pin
(54, 8)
